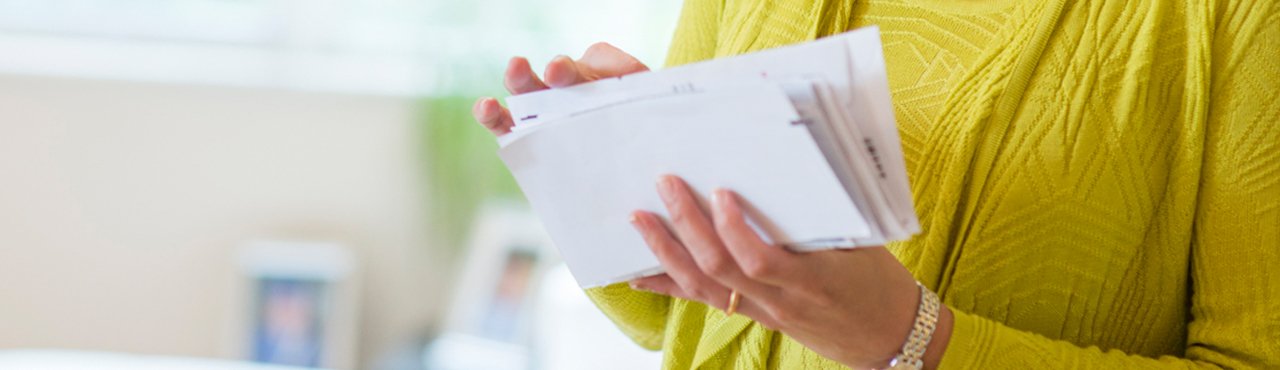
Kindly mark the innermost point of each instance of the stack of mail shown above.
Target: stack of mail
(804, 134)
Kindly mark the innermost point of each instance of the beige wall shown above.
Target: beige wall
(122, 204)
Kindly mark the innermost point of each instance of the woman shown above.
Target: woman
(1098, 184)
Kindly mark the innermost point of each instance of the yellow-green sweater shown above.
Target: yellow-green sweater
(1098, 182)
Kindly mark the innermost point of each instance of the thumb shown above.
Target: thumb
(605, 60)
(600, 61)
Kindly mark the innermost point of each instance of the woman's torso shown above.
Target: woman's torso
(1052, 159)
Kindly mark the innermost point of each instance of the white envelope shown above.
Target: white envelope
(852, 64)
(585, 173)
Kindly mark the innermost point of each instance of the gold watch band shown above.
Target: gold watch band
(911, 357)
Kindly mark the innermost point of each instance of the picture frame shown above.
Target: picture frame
(299, 304)
(508, 254)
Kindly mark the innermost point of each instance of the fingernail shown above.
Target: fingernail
(564, 77)
(635, 285)
(488, 107)
(478, 109)
(635, 222)
(666, 188)
(727, 199)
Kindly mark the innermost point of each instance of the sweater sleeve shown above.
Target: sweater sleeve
(1235, 251)
(642, 315)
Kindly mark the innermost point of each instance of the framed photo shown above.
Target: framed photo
(488, 325)
(289, 322)
(507, 255)
(517, 307)
(300, 309)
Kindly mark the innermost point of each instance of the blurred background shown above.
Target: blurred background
(278, 184)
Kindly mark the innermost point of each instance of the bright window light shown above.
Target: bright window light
(396, 47)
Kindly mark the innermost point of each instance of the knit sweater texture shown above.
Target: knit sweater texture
(1098, 182)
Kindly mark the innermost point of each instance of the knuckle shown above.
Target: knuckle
(728, 222)
(757, 268)
(679, 215)
(717, 264)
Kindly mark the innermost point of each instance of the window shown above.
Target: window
(398, 47)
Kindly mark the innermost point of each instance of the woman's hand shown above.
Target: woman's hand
(854, 306)
(600, 61)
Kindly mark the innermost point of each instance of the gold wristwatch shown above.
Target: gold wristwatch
(911, 357)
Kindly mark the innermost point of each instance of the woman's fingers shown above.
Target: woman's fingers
(564, 72)
(492, 116)
(520, 79)
(600, 61)
(665, 285)
(693, 227)
(676, 260)
(757, 259)
(696, 233)
(661, 284)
